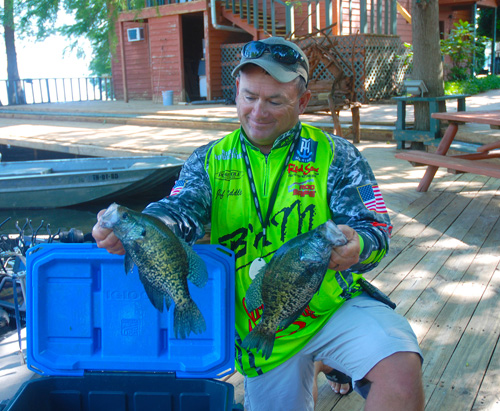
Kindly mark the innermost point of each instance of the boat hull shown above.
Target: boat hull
(67, 182)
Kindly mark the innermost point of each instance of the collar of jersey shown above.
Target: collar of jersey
(284, 140)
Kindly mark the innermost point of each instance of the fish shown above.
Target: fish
(165, 264)
(286, 285)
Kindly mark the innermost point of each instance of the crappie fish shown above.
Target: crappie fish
(164, 262)
(288, 282)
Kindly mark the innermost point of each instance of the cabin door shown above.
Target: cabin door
(194, 62)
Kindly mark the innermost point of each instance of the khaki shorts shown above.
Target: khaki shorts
(360, 334)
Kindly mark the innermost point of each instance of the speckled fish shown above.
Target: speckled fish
(288, 282)
(164, 262)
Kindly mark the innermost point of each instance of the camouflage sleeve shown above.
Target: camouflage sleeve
(355, 200)
(187, 211)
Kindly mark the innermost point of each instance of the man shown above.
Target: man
(261, 186)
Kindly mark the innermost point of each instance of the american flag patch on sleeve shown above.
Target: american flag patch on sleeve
(178, 186)
(372, 198)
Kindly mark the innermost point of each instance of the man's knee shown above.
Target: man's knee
(400, 374)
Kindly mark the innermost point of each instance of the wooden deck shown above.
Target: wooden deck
(443, 272)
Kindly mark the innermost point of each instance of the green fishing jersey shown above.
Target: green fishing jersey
(324, 178)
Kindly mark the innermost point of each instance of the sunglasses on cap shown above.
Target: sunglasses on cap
(280, 52)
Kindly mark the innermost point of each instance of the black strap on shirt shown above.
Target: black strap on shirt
(272, 200)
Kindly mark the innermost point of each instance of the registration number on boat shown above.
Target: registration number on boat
(105, 176)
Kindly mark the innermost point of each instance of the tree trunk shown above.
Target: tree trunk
(15, 91)
(427, 61)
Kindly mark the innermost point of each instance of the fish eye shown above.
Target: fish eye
(124, 216)
(143, 234)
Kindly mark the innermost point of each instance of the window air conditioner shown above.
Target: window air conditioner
(135, 34)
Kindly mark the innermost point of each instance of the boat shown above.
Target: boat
(67, 182)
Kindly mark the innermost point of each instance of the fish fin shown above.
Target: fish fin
(129, 263)
(155, 296)
(198, 273)
(253, 296)
(261, 339)
(187, 318)
(168, 301)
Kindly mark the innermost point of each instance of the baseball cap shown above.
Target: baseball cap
(282, 59)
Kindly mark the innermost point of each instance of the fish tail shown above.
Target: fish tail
(260, 338)
(187, 318)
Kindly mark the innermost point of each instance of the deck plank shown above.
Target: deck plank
(463, 293)
(476, 304)
(488, 397)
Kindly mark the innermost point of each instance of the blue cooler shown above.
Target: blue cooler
(99, 343)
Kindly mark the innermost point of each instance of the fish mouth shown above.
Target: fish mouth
(334, 234)
(110, 217)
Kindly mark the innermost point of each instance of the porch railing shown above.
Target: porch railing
(56, 90)
(373, 16)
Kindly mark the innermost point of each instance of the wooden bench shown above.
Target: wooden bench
(421, 158)
(403, 133)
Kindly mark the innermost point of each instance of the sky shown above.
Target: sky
(45, 59)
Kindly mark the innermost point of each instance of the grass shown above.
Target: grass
(473, 86)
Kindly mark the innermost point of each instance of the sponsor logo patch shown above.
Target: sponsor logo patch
(227, 175)
(228, 155)
(302, 188)
(306, 170)
(305, 190)
(306, 151)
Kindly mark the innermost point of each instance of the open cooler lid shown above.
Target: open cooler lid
(85, 314)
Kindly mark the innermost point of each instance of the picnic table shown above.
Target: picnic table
(470, 163)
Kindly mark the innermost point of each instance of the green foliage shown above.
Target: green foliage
(407, 57)
(461, 46)
(472, 86)
(485, 23)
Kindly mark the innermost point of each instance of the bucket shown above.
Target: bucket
(168, 97)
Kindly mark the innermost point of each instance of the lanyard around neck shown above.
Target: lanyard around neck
(253, 188)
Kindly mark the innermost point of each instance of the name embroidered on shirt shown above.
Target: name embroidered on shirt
(235, 192)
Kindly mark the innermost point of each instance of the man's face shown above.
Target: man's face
(266, 107)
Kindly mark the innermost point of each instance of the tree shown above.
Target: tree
(427, 60)
(15, 92)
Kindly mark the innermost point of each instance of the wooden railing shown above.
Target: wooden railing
(56, 90)
(279, 16)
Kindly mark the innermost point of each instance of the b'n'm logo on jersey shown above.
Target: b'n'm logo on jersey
(306, 151)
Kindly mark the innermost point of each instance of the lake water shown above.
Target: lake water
(81, 217)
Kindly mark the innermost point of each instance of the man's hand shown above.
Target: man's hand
(346, 255)
(105, 238)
